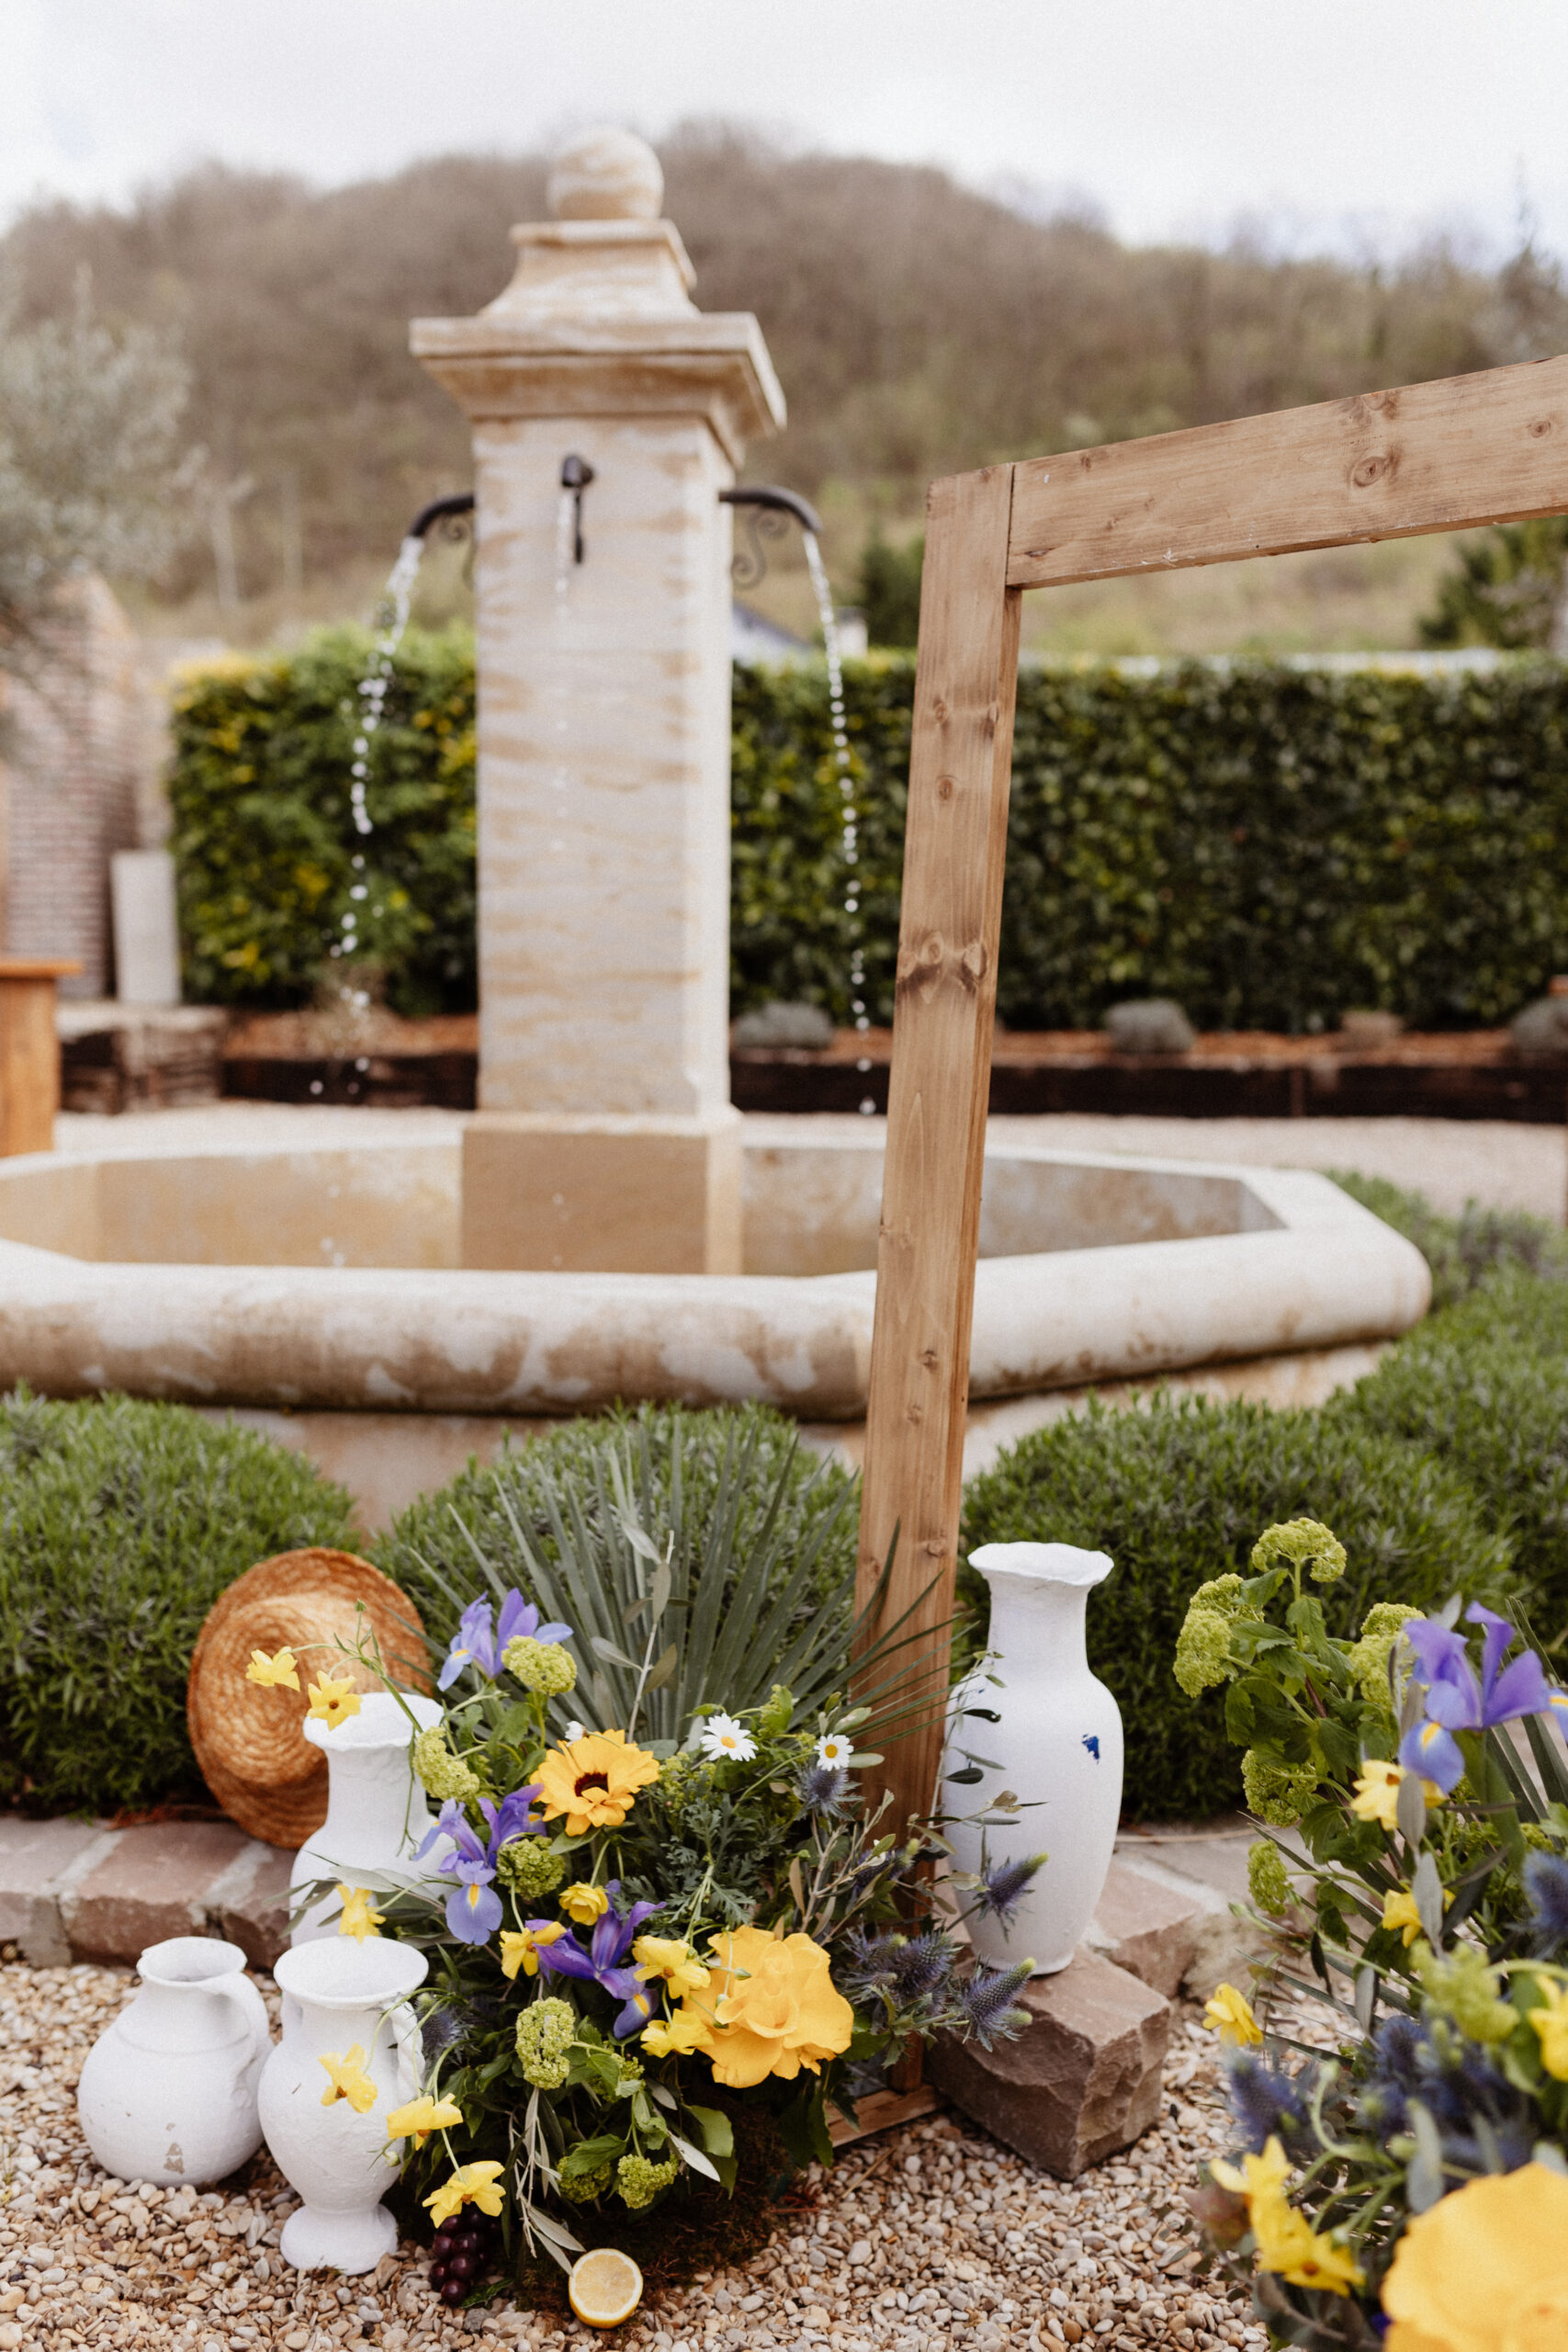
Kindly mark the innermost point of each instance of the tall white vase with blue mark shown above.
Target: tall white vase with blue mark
(1050, 1731)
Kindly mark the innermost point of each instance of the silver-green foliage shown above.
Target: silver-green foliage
(700, 1557)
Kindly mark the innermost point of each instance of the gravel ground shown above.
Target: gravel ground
(928, 2235)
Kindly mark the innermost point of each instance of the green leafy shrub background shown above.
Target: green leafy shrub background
(1272, 845)
(120, 1523)
(1178, 1492)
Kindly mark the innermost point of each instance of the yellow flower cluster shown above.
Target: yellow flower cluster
(1286, 2241)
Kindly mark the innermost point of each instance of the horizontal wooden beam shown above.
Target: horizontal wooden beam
(1490, 448)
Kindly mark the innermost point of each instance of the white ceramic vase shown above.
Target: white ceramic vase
(1057, 1744)
(337, 1993)
(376, 1809)
(168, 2092)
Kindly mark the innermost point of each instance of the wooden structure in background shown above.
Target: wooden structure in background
(29, 1051)
(1479, 449)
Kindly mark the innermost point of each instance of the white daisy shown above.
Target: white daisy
(834, 1749)
(725, 1740)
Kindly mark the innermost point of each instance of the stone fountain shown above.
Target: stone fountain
(390, 1291)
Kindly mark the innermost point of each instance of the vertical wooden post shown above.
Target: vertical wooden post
(29, 1051)
(955, 844)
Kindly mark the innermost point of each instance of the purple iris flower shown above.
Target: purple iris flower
(475, 1643)
(603, 1964)
(1456, 1701)
(473, 1908)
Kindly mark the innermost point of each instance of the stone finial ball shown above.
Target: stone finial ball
(606, 174)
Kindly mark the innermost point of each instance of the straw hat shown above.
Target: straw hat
(249, 1740)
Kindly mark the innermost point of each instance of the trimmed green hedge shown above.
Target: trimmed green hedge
(1177, 1492)
(1270, 845)
(120, 1523)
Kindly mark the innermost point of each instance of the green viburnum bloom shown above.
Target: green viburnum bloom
(1460, 1985)
(1368, 1659)
(544, 2033)
(543, 1667)
(1300, 1543)
(1266, 1879)
(1275, 1792)
(442, 1774)
(581, 2188)
(1223, 1596)
(639, 2182)
(527, 1866)
(1202, 1650)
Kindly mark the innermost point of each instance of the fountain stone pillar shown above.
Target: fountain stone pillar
(604, 1138)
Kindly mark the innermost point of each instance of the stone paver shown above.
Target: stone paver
(155, 1882)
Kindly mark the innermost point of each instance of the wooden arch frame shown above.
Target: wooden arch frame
(1451, 456)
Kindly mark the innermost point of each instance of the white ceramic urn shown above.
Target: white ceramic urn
(168, 2092)
(339, 1994)
(377, 1814)
(1057, 1743)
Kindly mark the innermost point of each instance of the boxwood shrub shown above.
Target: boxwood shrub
(1179, 1491)
(120, 1523)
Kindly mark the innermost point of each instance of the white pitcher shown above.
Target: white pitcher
(339, 1992)
(1057, 1744)
(168, 2092)
(376, 1809)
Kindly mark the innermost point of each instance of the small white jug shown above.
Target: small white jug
(1056, 1744)
(376, 1809)
(168, 2092)
(338, 1993)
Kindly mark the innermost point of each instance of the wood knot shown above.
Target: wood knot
(939, 710)
(945, 787)
(1539, 426)
(1367, 472)
(931, 1359)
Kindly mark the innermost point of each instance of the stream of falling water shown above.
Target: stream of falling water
(396, 599)
(848, 833)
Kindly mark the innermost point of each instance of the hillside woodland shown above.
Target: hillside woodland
(919, 327)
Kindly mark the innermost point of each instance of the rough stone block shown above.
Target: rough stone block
(37, 1858)
(248, 1906)
(608, 1195)
(1147, 1927)
(1083, 2079)
(1208, 1874)
(155, 1882)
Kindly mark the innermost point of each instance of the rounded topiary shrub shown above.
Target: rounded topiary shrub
(120, 1525)
(724, 1481)
(1180, 1492)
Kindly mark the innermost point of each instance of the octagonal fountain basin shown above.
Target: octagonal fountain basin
(302, 1269)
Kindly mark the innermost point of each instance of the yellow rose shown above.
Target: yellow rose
(584, 1903)
(1484, 2269)
(769, 2008)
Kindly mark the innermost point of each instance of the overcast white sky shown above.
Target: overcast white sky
(1333, 120)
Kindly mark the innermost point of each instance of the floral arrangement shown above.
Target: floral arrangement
(1410, 2186)
(638, 1945)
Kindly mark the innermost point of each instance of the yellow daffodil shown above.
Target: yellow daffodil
(1286, 2240)
(1551, 2021)
(1376, 1793)
(1484, 2269)
(1399, 1911)
(469, 2185)
(679, 2035)
(769, 2008)
(360, 1918)
(1230, 2014)
(520, 1948)
(279, 1673)
(347, 2078)
(594, 1781)
(421, 2117)
(675, 1961)
(583, 1902)
(333, 1699)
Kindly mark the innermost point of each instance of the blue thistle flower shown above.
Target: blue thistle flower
(921, 1964)
(1265, 2100)
(1003, 1886)
(987, 2005)
(1458, 2084)
(822, 1788)
(1546, 1884)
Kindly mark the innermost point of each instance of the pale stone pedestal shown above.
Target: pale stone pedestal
(637, 1196)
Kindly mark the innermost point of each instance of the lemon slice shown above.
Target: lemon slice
(605, 2287)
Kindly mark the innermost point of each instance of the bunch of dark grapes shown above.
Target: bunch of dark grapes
(459, 2256)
